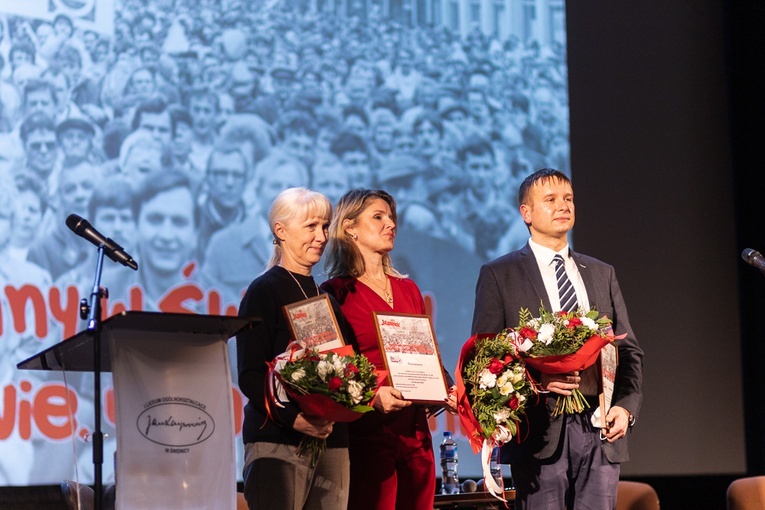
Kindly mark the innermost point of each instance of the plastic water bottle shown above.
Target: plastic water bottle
(495, 469)
(450, 482)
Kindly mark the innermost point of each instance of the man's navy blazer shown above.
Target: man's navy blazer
(512, 282)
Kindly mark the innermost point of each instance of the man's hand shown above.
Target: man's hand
(313, 426)
(617, 423)
(562, 384)
(389, 399)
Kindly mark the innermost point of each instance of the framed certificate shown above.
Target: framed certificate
(609, 360)
(410, 352)
(313, 323)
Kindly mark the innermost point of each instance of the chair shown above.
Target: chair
(241, 503)
(85, 496)
(746, 493)
(636, 496)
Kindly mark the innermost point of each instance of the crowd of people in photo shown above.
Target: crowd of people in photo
(175, 134)
(243, 100)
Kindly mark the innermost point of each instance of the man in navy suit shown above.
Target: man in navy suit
(564, 461)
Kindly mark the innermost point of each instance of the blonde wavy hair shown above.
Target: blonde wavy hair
(343, 257)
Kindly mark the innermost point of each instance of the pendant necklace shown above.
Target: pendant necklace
(388, 296)
(298, 283)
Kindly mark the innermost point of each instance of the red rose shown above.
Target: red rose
(508, 358)
(528, 333)
(514, 403)
(334, 383)
(572, 323)
(495, 366)
(351, 370)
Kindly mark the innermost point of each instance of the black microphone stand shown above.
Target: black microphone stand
(92, 313)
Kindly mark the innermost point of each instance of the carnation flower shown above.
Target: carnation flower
(546, 333)
(589, 323)
(297, 374)
(488, 380)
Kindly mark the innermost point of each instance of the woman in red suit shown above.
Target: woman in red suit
(392, 463)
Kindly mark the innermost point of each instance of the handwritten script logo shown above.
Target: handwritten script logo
(391, 323)
(299, 315)
(175, 424)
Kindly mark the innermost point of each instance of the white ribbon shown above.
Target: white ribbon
(488, 480)
(295, 350)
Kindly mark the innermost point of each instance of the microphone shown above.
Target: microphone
(114, 251)
(754, 258)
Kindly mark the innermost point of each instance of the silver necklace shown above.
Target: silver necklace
(298, 283)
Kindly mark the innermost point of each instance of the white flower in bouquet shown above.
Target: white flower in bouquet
(356, 390)
(338, 365)
(502, 415)
(591, 324)
(487, 380)
(546, 333)
(322, 368)
(501, 434)
(517, 375)
(297, 374)
(505, 384)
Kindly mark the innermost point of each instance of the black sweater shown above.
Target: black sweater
(262, 343)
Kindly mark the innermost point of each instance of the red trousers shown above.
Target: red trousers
(392, 463)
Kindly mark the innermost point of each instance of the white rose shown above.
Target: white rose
(298, 374)
(487, 379)
(546, 333)
(356, 391)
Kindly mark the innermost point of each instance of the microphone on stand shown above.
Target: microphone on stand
(754, 258)
(114, 251)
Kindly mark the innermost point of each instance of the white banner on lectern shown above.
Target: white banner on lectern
(97, 15)
(175, 433)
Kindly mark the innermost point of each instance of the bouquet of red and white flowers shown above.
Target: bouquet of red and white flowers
(337, 385)
(493, 391)
(560, 342)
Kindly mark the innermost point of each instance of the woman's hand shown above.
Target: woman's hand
(451, 400)
(313, 426)
(389, 399)
(562, 384)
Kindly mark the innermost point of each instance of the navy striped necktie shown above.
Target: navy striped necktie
(566, 290)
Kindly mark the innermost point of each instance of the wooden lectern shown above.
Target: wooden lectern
(174, 406)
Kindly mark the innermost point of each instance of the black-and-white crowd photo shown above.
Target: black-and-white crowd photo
(173, 127)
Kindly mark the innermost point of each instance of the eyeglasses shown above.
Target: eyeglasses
(37, 146)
